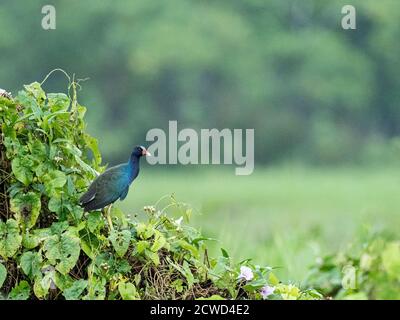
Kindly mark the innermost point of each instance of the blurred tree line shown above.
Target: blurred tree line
(313, 91)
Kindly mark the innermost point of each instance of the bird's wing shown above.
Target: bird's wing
(107, 186)
(124, 193)
(89, 195)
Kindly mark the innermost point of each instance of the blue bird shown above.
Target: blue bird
(113, 184)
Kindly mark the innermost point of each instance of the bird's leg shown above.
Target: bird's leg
(108, 214)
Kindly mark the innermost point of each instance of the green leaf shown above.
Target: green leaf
(38, 289)
(124, 267)
(93, 145)
(77, 156)
(70, 186)
(54, 204)
(21, 170)
(31, 264)
(95, 221)
(188, 274)
(11, 143)
(197, 240)
(48, 280)
(53, 180)
(30, 241)
(27, 207)
(188, 214)
(159, 242)
(62, 281)
(224, 253)
(20, 292)
(36, 90)
(38, 151)
(391, 259)
(90, 244)
(120, 241)
(81, 110)
(288, 292)
(149, 232)
(75, 291)
(187, 246)
(75, 210)
(58, 101)
(3, 274)
(140, 229)
(178, 285)
(120, 216)
(96, 289)
(273, 280)
(62, 251)
(10, 239)
(255, 285)
(59, 227)
(220, 268)
(128, 291)
(43, 168)
(32, 106)
(142, 245)
(153, 256)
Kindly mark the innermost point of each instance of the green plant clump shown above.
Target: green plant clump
(50, 249)
(368, 269)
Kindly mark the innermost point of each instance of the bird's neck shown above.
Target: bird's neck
(133, 165)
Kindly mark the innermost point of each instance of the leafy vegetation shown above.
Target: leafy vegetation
(50, 249)
(368, 269)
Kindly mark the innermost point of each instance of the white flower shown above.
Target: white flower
(267, 291)
(178, 222)
(246, 273)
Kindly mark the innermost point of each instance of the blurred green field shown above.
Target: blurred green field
(282, 217)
